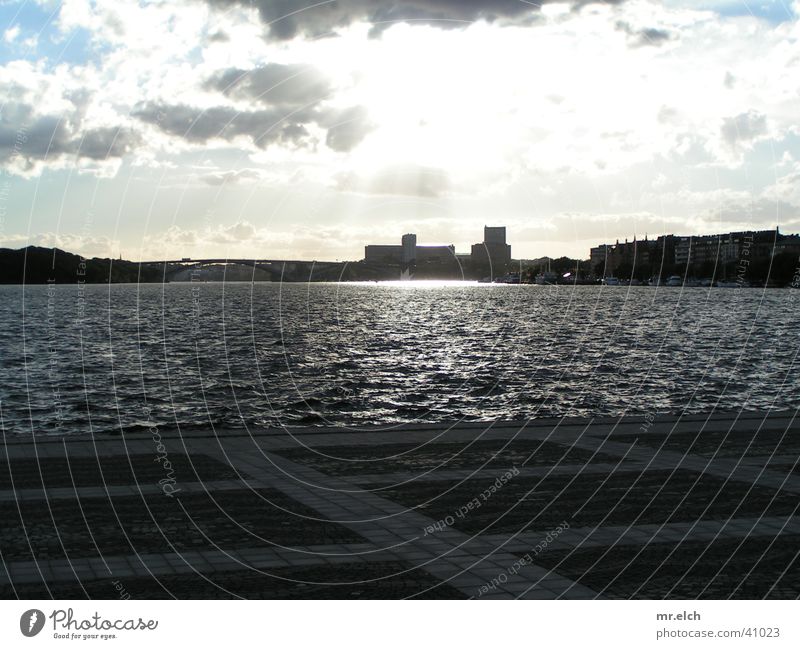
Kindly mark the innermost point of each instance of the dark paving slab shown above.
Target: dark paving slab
(390, 458)
(791, 468)
(727, 444)
(156, 523)
(387, 580)
(622, 498)
(754, 568)
(124, 469)
(254, 501)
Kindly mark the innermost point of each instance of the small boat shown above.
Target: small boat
(726, 284)
(611, 281)
(674, 280)
(654, 281)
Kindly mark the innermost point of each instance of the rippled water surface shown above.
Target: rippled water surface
(229, 355)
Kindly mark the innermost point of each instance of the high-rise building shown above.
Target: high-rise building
(409, 246)
(494, 235)
(494, 254)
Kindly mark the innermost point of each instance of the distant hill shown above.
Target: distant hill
(34, 265)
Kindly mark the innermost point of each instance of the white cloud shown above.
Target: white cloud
(584, 111)
(10, 35)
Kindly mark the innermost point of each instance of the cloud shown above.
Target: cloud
(275, 84)
(643, 37)
(786, 188)
(400, 179)
(10, 35)
(218, 36)
(197, 125)
(346, 128)
(107, 142)
(26, 140)
(242, 231)
(743, 128)
(233, 177)
(286, 20)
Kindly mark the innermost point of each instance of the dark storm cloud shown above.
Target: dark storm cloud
(274, 83)
(52, 136)
(289, 18)
(644, 37)
(264, 127)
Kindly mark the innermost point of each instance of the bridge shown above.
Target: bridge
(287, 270)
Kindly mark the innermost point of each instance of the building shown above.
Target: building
(409, 253)
(489, 258)
(494, 235)
(718, 255)
(727, 248)
(435, 254)
(644, 257)
(493, 255)
(383, 254)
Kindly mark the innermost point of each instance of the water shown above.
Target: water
(115, 358)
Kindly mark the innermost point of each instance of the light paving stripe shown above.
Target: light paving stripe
(450, 556)
(457, 475)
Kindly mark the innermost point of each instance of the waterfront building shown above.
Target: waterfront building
(493, 255)
(490, 258)
(408, 254)
(383, 254)
(704, 256)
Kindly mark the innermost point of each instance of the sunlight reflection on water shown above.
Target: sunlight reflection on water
(338, 354)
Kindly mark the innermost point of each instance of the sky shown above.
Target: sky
(306, 129)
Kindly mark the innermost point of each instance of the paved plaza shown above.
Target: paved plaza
(634, 507)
